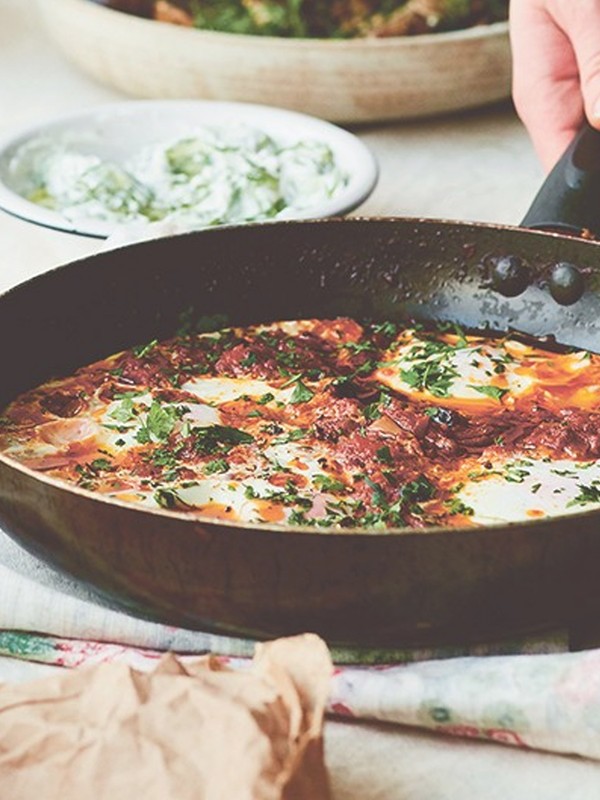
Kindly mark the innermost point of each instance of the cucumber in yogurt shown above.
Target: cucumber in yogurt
(211, 177)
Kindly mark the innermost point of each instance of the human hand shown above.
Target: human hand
(556, 70)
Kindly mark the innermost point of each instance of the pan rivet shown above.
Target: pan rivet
(510, 276)
(566, 283)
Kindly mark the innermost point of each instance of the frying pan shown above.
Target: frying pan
(367, 588)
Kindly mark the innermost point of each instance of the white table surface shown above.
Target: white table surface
(475, 166)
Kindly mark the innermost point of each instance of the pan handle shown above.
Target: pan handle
(569, 199)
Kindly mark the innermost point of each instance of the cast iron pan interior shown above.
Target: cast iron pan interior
(369, 589)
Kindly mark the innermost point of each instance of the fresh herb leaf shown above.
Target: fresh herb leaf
(456, 506)
(159, 423)
(291, 436)
(587, 494)
(143, 349)
(388, 329)
(430, 374)
(326, 483)
(124, 412)
(379, 496)
(298, 517)
(215, 466)
(248, 360)
(514, 474)
(495, 392)
(418, 491)
(166, 498)
(357, 347)
(99, 464)
(301, 394)
(384, 454)
(218, 438)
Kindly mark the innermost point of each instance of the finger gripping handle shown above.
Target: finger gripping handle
(569, 199)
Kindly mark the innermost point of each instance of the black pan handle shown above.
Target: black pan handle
(569, 199)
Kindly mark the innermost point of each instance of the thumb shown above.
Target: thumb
(581, 22)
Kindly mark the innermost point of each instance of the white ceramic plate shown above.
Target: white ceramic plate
(342, 80)
(118, 131)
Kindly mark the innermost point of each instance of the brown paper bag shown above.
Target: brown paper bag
(196, 732)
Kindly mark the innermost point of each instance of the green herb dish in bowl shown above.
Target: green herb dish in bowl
(354, 79)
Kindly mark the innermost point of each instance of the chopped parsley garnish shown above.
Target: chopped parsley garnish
(160, 422)
(388, 515)
(165, 457)
(430, 369)
(87, 473)
(272, 428)
(357, 347)
(248, 360)
(495, 392)
(298, 517)
(216, 465)
(372, 411)
(384, 454)
(328, 484)
(218, 438)
(379, 496)
(125, 411)
(587, 494)
(456, 506)
(389, 329)
(142, 350)
(288, 497)
(290, 436)
(166, 498)
(301, 393)
(99, 464)
(514, 474)
(418, 491)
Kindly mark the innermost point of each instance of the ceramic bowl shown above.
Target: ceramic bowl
(117, 131)
(354, 80)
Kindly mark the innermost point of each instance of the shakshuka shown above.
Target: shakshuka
(325, 424)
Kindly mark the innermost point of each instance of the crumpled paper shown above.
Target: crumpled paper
(193, 731)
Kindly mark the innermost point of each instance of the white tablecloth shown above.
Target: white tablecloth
(475, 166)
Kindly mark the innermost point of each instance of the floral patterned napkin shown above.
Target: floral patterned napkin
(541, 698)
(545, 702)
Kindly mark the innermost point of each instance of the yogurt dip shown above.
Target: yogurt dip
(214, 176)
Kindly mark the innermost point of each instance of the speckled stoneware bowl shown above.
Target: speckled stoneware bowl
(352, 80)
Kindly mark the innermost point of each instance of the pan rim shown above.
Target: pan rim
(309, 222)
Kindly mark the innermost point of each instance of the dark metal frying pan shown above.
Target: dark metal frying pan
(398, 588)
